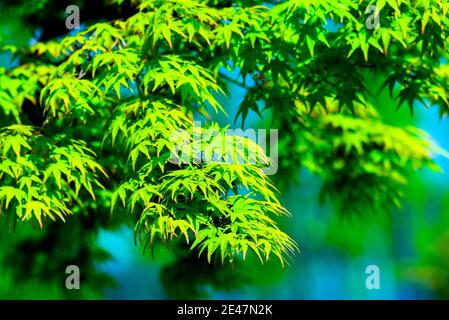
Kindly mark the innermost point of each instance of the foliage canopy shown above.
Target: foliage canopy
(92, 113)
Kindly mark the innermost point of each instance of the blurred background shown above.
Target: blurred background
(410, 246)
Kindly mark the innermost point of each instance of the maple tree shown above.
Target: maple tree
(87, 118)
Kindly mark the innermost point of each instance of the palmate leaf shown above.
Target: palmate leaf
(42, 182)
(22, 84)
(173, 199)
(192, 82)
(68, 94)
(8, 193)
